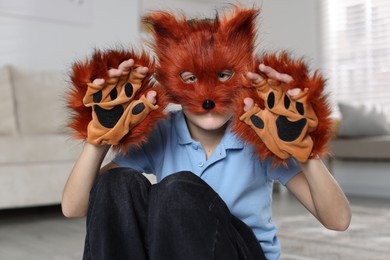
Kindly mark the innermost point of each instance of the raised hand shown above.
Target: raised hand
(288, 121)
(113, 99)
(115, 110)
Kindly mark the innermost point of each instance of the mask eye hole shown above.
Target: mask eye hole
(225, 75)
(188, 77)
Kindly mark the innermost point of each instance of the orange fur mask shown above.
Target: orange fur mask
(206, 48)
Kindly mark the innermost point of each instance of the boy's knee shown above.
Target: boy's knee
(179, 177)
(185, 189)
(117, 179)
(179, 182)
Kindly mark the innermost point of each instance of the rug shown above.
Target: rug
(367, 238)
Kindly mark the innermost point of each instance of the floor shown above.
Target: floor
(43, 233)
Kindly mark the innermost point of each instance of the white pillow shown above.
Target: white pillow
(362, 120)
(7, 111)
(40, 101)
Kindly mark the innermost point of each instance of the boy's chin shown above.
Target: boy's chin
(208, 121)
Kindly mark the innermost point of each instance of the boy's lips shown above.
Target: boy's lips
(210, 113)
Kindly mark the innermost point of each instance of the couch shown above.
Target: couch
(360, 151)
(36, 153)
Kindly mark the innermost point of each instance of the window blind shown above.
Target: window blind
(356, 50)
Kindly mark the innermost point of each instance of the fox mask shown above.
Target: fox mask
(215, 53)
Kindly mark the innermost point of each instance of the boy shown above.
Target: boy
(213, 197)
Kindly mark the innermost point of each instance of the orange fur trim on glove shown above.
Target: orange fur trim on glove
(118, 112)
(287, 125)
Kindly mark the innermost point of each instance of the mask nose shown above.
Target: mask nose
(208, 104)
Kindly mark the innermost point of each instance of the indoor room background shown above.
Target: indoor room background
(347, 40)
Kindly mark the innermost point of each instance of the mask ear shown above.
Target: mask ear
(164, 26)
(240, 27)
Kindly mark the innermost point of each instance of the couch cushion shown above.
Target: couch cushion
(7, 112)
(29, 185)
(38, 149)
(40, 101)
(373, 148)
(362, 120)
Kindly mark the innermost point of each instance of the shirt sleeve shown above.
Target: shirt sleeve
(148, 156)
(283, 174)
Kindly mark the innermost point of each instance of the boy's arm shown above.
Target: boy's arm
(314, 187)
(83, 175)
(75, 197)
(319, 192)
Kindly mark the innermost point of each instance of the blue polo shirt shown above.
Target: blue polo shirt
(233, 171)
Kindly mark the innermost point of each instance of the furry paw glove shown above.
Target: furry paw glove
(117, 112)
(285, 125)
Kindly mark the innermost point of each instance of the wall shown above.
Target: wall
(49, 44)
(292, 25)
(283, 24)
(42, 43)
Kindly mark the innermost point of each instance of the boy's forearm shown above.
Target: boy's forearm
(331, 205)
(76, 192)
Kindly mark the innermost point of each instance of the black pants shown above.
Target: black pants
(180, 218)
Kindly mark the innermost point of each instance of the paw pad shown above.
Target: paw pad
(129, 89)
(108, 118)
(257, 122)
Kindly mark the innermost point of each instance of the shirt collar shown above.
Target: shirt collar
(184, 136)
(229, 140)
